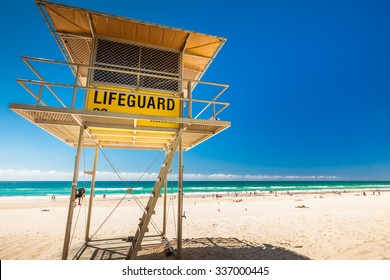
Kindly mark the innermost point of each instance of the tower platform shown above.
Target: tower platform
(116, 130)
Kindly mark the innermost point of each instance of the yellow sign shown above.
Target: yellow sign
(154, 104)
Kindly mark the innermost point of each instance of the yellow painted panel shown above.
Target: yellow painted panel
(111, 99)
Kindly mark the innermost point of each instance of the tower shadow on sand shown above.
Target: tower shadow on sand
(225, 249)
(215, 248)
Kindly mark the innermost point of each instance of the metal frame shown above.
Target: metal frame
(75, 86)
(180, 202)
(90, 70)
(72, 198)
(135, 245)
(91, 195)
(75, 116)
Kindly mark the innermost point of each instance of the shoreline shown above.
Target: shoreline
(224, 193)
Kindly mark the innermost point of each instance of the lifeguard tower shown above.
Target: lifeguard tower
(131, 85)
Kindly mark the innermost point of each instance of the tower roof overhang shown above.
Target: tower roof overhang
(69, 25)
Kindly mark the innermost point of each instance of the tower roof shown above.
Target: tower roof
(71, 25)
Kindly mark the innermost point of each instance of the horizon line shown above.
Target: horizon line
(7, 175)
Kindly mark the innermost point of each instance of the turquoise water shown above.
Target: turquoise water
(33, 189)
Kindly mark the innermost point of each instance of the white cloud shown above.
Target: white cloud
(288, 177)
(54, 175)
(215, 177)
(34, 175)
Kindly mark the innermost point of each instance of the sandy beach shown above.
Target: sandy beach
(320, 226)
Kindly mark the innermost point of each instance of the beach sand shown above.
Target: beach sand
(326, 226)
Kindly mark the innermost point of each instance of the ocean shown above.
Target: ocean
(61, 188)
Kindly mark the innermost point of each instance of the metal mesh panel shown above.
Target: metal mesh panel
(137, 59)
(112, 77)
(159, 83)
(159, 60)
(79, 50)
(191, 74)
(117, 53)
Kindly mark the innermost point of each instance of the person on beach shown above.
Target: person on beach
(80, 194)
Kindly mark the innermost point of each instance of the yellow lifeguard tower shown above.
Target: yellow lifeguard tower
(132, 86)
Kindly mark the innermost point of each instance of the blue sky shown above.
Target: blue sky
(309, 90)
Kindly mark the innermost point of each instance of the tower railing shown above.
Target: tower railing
(72, 91)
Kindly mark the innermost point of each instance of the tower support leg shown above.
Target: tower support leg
(72, 198)
(164, 229)
(180, 204)
(91, 195)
